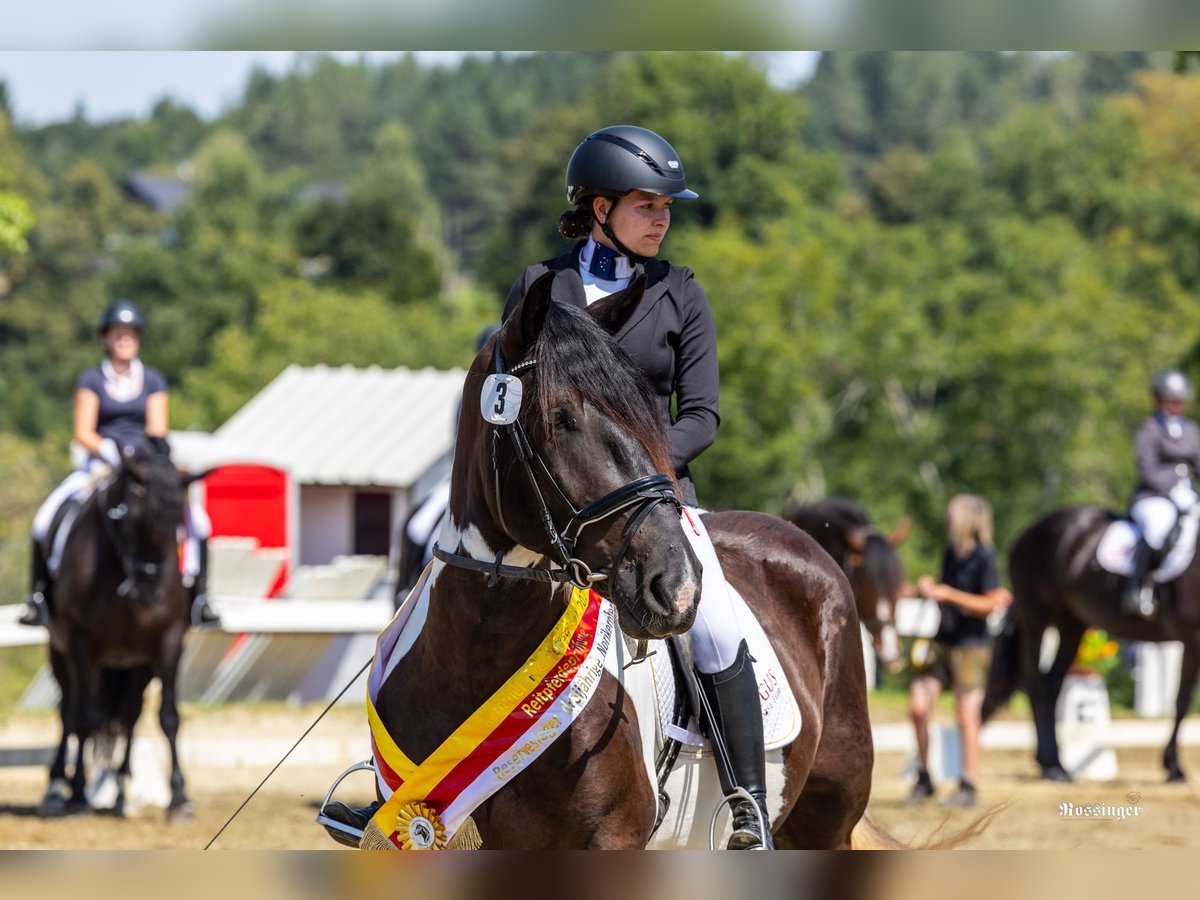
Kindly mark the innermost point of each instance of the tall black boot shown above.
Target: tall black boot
(203, 615)
(1137, 595)
(736, 722)
(37, 609)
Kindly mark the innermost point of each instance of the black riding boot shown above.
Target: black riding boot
(1137, 594)
(732, 697)
(203, 615)
(37, 611)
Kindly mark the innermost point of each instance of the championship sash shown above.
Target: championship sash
(429, 802)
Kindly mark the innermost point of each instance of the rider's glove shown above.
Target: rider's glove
(108, 452)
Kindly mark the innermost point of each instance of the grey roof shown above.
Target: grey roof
(159, 192)
(373, 426)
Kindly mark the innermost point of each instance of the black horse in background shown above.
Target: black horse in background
(869, 560)
(1056, 581)
(118, 614)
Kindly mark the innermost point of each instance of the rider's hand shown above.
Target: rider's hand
(109, 452)
(1183, 496)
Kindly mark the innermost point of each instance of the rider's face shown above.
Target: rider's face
(1172, 407)
(639, 220)
(122, 342)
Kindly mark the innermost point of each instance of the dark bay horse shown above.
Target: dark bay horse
(575, 487)
(869, 560)
(118, 614)
(1056, 581)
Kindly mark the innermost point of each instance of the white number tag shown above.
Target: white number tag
(500, 400)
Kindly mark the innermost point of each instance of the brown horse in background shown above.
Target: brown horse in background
(588, 428)
(1057, 582)
(870, 562)
(118, 614)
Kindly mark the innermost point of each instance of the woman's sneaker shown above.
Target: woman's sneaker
(922, 790)
(964, 796)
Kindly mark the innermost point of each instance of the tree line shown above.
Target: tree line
(931, 272)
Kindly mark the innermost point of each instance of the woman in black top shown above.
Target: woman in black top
(960, 654)
(621, 182)
(116, 403)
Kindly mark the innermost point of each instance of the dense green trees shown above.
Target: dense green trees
(931, 272)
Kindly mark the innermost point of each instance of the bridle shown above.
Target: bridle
(641, 495)
(137, 571)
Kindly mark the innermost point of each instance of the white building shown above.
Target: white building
(362, 446)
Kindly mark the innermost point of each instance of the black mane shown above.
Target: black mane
(575, 354)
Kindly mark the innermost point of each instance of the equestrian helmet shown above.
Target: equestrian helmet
(622, 158)
(121, 312)
(1171, 384)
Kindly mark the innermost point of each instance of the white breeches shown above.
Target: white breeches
(423, 528)
(1155, 516)
(717, 632)
(197, 527)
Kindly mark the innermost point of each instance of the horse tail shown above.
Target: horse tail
(1005, 674)
(114, 688)
(866, 835)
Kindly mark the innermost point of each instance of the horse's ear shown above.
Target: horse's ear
(191, 477)
(614, 311)
(524, 323)
(900, 532)
(857, 537)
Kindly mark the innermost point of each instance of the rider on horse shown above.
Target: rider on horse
(116, 403)
(1167, 454)
(621, 182)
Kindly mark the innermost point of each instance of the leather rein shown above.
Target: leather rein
(641, 495)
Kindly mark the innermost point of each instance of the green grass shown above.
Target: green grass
(18, 665)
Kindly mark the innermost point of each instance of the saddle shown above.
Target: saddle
(677, 704)
(1114, 553)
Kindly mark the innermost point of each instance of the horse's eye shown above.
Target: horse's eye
(564, 420)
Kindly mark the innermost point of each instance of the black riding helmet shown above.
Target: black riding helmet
(121, 312)
(613, 161)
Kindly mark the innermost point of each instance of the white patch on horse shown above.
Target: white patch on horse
(476, 547)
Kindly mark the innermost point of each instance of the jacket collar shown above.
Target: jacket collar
(656, 284)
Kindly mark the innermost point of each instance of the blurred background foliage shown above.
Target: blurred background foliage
(931, 272)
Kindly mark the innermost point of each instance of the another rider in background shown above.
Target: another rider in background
(621, 183)
(1166, 451)
(116, 403)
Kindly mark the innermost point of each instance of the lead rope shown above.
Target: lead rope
(237, 811)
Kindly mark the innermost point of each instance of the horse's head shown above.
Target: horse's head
(144, 509)
(561, 455)
(876, 576)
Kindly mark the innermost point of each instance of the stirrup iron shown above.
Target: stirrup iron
(332, 825)
(739, 793)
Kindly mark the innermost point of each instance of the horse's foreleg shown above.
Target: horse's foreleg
(131, 711)
(1189, 669)
(181, 808)
(81, 712)
(54, 802)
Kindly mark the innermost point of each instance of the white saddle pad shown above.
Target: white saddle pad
(781, 713)
(1115, 550)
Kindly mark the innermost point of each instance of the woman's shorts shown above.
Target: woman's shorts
(961, 667)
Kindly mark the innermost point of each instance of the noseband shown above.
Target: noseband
(642, 495)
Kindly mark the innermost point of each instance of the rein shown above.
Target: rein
(642, 494)
(113, 518)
